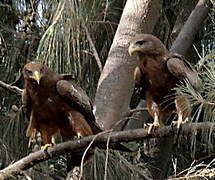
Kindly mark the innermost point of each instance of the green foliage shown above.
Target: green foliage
(118, 167)
(53, 32)
(65, 44)
(201, 100)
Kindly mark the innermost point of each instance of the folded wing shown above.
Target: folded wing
(75, 96)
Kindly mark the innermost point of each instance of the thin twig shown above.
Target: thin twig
(85, 152)
(136, 110)
(106, 9)
(95, 53)
(106, 158)
(82, 159)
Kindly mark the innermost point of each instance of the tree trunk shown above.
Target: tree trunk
(115, 85)
(116, 82)
(186, 8)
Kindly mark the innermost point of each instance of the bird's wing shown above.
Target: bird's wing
(138, 74)
(26, 104)
(139, 79)
(75, 96)
(66, 77)
(177, 67)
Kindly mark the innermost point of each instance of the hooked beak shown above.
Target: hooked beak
(36, 76)
(132, 48)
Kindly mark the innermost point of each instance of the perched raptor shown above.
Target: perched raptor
(158, 74)
(55, 104)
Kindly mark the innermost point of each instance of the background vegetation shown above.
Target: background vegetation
(74, 36)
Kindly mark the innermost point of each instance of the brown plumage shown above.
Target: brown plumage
(158, 73)
(54, 104)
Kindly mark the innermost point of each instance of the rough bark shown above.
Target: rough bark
(138, 119)
(115, 85)
(80, 144)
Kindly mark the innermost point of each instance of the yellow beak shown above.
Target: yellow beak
(132, 48)
(36, 76)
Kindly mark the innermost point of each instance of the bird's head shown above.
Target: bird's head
(145, 44)
(33, 71)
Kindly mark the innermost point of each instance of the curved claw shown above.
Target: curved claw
(46, 146)
(179, 122)
(181, 112)
(156, 122)
(79, 135)
(152, 125)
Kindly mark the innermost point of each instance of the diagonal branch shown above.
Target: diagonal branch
(95, 53)
(190, 28)
(13, 89)
(80, 144)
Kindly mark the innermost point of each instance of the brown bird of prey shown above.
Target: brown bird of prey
(55, 104)
(158, 74)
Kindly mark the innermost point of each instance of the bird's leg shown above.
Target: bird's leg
(154, 109)
(156, 123)
(180, 115)
(49, 144)
(33, 135)
(47, 140)
(46, 146)
(79, 135)
(180, 120)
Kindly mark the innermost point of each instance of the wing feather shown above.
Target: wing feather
(177, 67)
(26, 103)
(75, 96)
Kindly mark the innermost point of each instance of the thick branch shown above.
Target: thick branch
(80, 144)
(189, 30)
(13, 89)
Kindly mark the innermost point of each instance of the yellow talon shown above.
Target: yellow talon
(79, 135)
(156, 123)
(53, 140)
(181, 112)
(179, 122)
(151, 125)
(31, 138)
(46, 146)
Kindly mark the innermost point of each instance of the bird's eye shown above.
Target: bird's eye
(28, 71)
(141, 42)
(41, 70)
